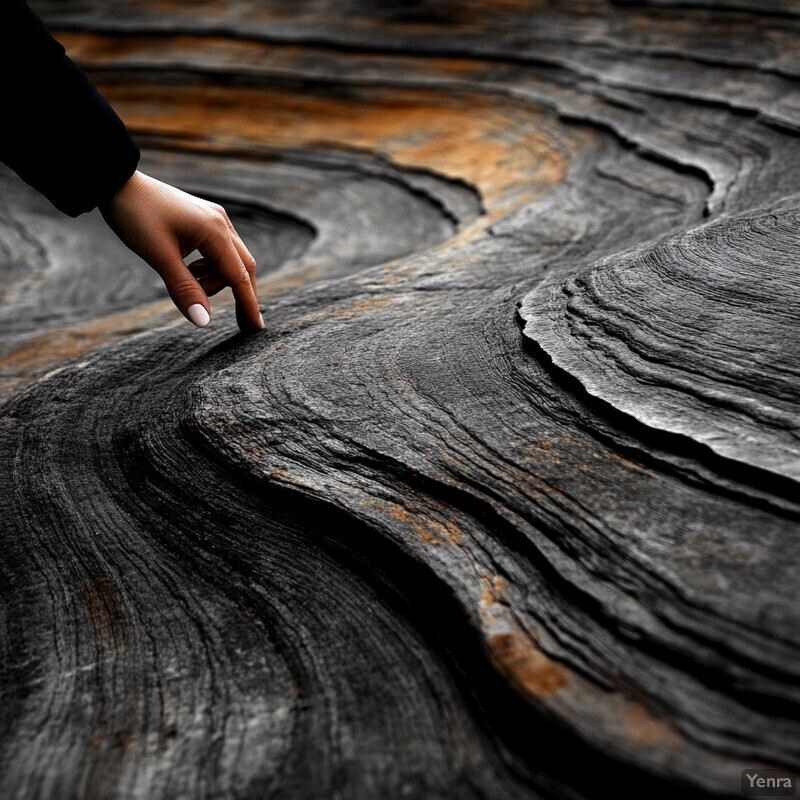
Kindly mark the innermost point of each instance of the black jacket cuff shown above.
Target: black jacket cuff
(59, 134)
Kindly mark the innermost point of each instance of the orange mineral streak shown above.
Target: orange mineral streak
(105, 611)
(491, 143)
(358, 307)
(220, 54)
(51, 349)
(527, 667)
(428, 530)
(647, 730)
(511, 650)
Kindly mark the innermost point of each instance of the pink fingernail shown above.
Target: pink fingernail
(198, 315)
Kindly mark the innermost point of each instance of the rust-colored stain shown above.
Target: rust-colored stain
(425, 535)
(53, 348)
(643, 726)
(518, 657)
(494, 144)
(99, 51)
(362, 306)
(104, 609)
(648, 730)
(112, 746)
(513, 652)
(564, 449)
(428, 530)
(64, 343)
(493, 589)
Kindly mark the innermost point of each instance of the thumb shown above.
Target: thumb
(185, 291)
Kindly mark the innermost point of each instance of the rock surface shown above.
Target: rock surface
(504, 500)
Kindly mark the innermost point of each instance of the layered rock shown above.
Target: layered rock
(503, 502)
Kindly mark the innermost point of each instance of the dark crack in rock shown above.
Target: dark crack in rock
(697, 336)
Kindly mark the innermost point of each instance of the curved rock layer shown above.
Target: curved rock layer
(504, 500)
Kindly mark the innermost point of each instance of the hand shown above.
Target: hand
(162, 225)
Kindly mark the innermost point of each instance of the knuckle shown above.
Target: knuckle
(182, 287)
(216, 218)
(250, 264)
(241, 279)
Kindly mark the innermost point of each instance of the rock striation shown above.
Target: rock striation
(503, 502)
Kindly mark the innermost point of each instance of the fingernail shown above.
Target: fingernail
(198, 315)
(261, 317)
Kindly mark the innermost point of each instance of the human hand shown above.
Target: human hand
(162, 225)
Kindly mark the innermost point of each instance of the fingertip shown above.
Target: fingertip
(198, 315)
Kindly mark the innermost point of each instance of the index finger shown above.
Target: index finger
(232, 269)
(244, 253)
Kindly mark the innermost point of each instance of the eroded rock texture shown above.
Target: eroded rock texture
(504, 501)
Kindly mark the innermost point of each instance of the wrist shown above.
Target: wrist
(130, 188)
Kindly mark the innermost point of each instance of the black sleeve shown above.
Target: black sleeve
(56, 131)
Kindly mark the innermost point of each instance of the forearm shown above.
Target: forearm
(57, 132)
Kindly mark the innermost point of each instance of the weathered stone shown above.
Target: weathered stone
(504, 500)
